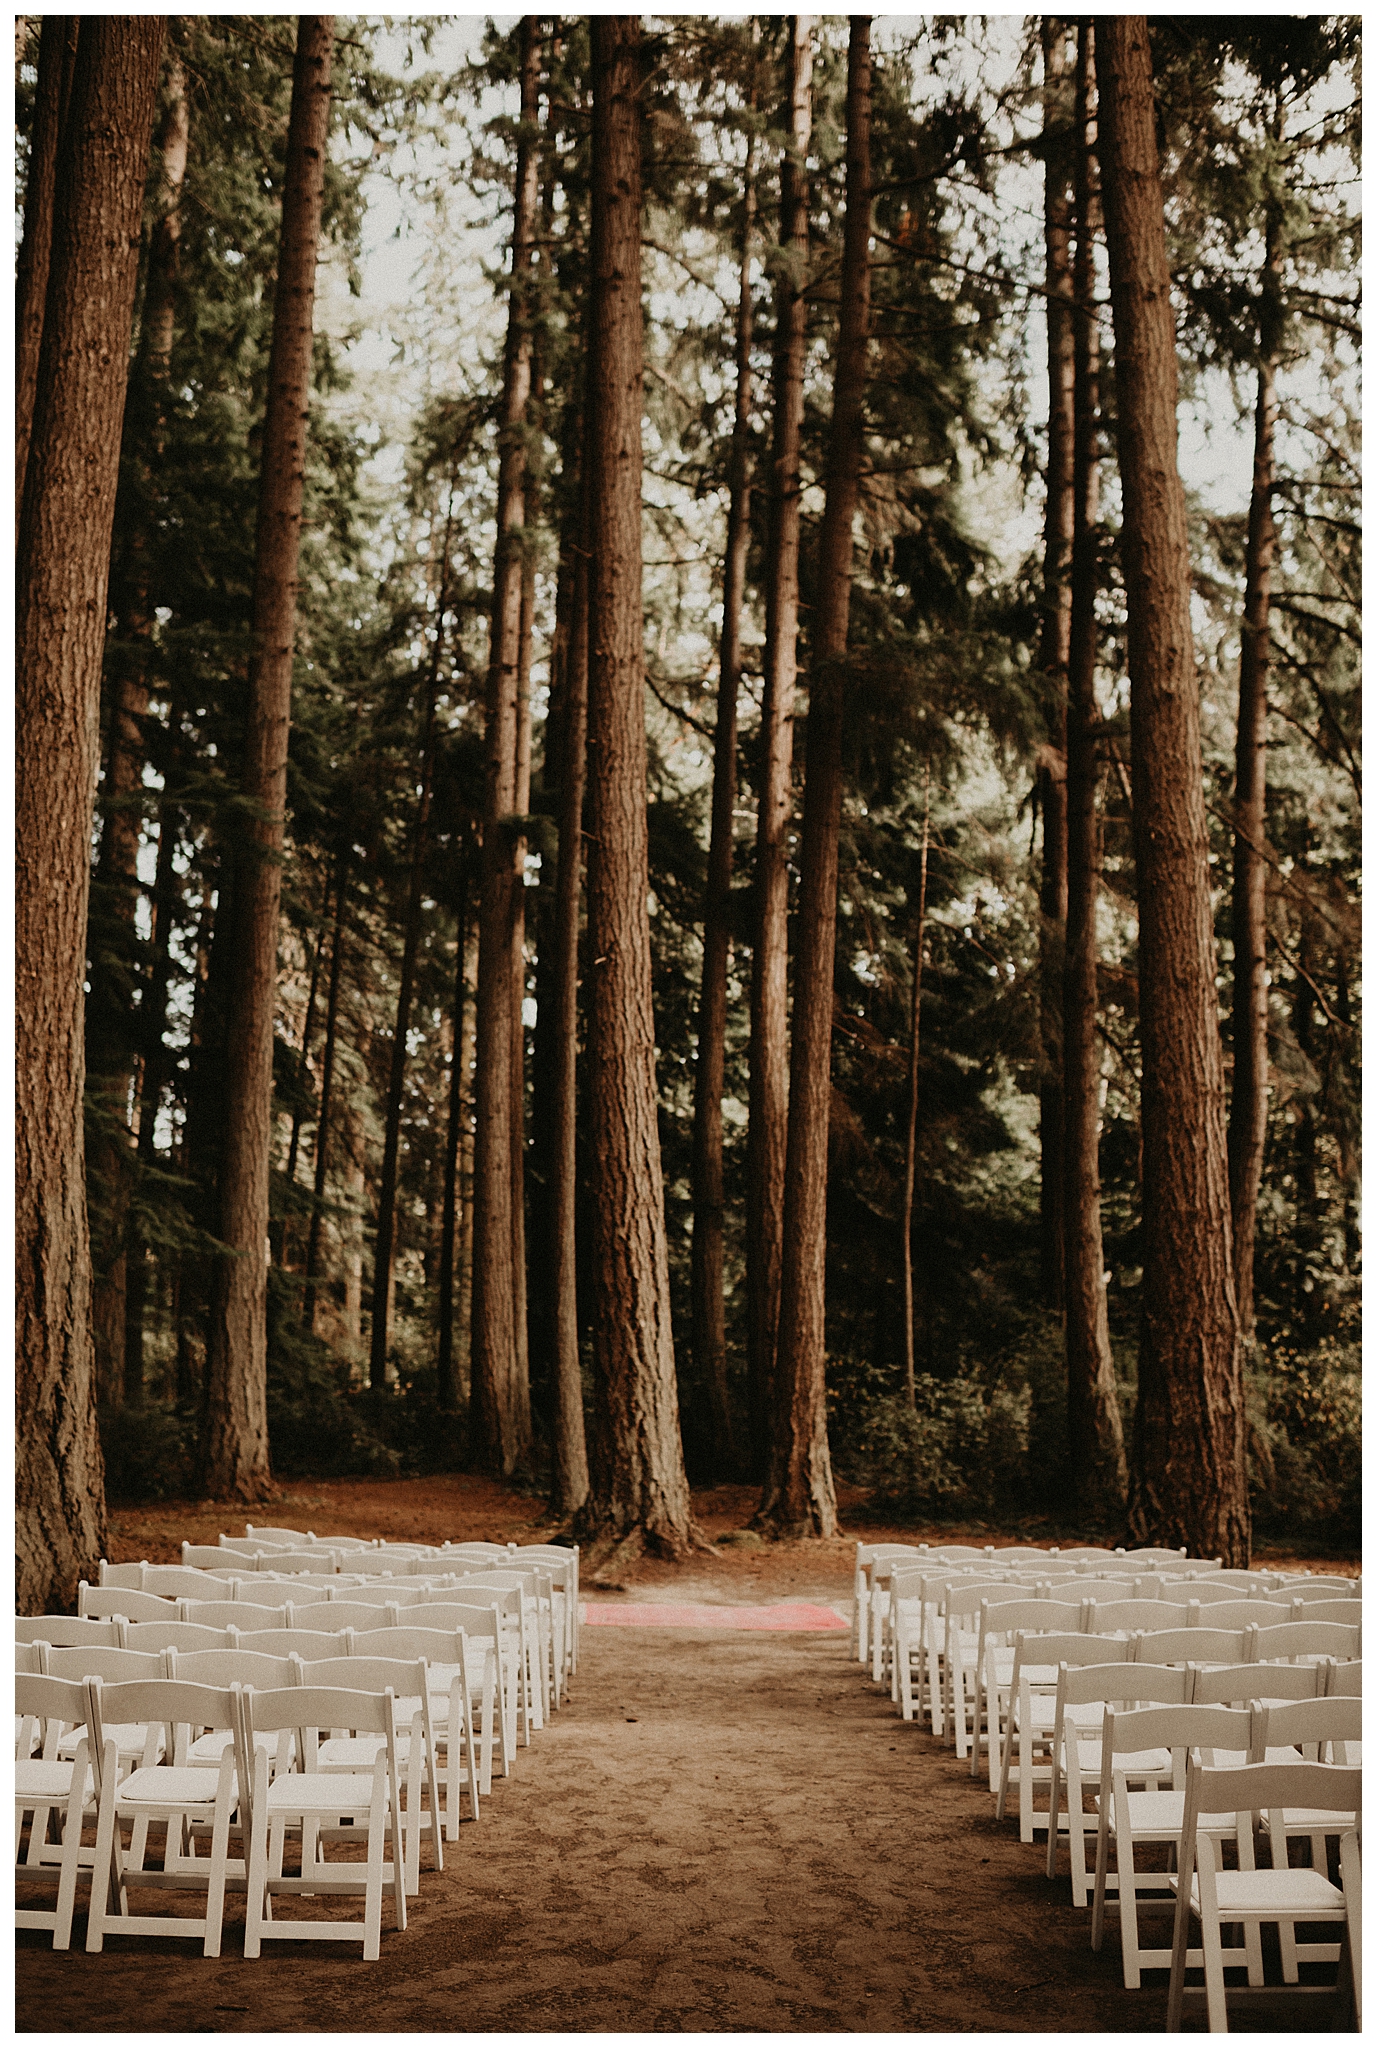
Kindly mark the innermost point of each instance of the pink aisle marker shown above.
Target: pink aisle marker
(786, 1614)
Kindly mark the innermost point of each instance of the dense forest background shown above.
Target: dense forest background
(949, 744)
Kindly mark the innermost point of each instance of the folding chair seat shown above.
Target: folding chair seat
(231, 1614)
(456, 1673)
(1328, 1731)
(1032, 1716)
(1290, 1641)
(55, 1792)
(70, 1631)
(1251, 1898)
(179, 1635)
(320, 1804)
(485, 1637)
(1191, 1645)
(1000, 1624)
(1345, 1676)
(1084, 1695)
(405, 1678)
(1130, 1820)
(173, 1791)
(98, 1603)
(1131, 1617)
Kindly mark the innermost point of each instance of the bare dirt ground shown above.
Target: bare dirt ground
(720, 1832)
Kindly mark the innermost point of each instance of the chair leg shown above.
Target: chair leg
(1211, 1947)
(256, 1869)
(104, 1869)
(215, 1889)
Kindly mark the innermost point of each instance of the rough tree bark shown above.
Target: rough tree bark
(708, 1306)
(57, 44)
(446, 1388)
(1095, 1432)
(1189, 1479)
(327, 1084)
(234, 1451)
(500, 1420)
(1055, 647)
(640, 1494)
(61, 582)
(911, 1132)
(569, 1451)
(1248, 1105)
(385, 1239)
(767, 1132)
(799, 1496)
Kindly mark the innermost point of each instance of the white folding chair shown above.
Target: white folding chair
(406, 1680)
(241, 1614)
(1000, 1624)
(1084, 1695)
(1347, 1610)
(1130, 1617)
(1032, 1715)
(533, 1612)
(1345, 1675)
(561, 1563)
(450, 1664)
(70, 1631)
(54, 1792)
(1327, 1731)
(100, 1602)
(485, 1637)
(175, 1582)
(1130, 1820)
(1191, 1645)
(1293, 1640)
(319, 1802)
(120, 1574)
(172, 1791)
(180, 1635)
(1250, 1898)
(866, 1555)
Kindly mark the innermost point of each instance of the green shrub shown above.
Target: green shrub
(149, 1450)
(1306, 1440)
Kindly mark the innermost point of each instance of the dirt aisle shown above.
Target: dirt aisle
(763, 1847)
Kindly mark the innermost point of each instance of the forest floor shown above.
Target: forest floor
(719, 1832)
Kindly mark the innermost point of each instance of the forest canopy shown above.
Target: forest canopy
(706, 863)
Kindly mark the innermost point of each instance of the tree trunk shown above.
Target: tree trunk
(61, 583)
(1189, 1482)
(235, 1452)
(1056, 640)
(569, 1453)
(445, 1385)
(911, 1135)
(57, 46)
(385, 1241)
(709, 1311)
(327, 1081)
(640, 1492)
(767, 1131)
(799, 1496)
(1099, 1476)
(1248, 1107)
(501, 1400)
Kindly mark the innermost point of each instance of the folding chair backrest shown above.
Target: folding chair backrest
(1014, 1553)
(1129, 1730)
(101, 1601)
(173, 1702)
(393, 1593)
(405, 1677)
(964, 1601)
(241, 1614)
(121, 1574)
(1006, 1617)
(67, 1630)
(175, 1635)
(1107, 1617)
(317, 1706)
(1090, 1554)
(241, 1546)
(314, 1560)
(1345, 1677)
(1078, 1685)
(39, 1699)
(1347, 1610)
(175, 1582)
(1306, 1639)
(1235, 1684)
(1318, 1586)
(1318, 1723)
(1151, 1557)
(481, 1622)
(230, 1667)
(438, 1646)
(1254, 1788)
(113, 1666)
(1200, 1645)
(209, 1557)
(300, 1592)
(360, 1615)
(281, 1642)
(1072, 1649)
(506, 1581)
(288, 1539)
(28, 1658)
(1103, 1589)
